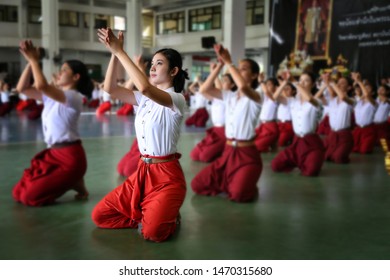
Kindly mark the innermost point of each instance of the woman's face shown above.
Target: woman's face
(227, 84)
(306, 82)
(246, 72)
(159, 73)
(66, 77)
(270, 86)
(342, 83)
(382, 91)
(288, 91)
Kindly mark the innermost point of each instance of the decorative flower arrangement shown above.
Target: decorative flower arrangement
(296, 63)
(339, 69)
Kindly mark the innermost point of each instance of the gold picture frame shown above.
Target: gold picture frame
(313, 28)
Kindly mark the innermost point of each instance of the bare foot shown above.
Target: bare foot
(82, 193)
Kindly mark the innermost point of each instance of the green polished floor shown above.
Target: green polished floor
(342, 214)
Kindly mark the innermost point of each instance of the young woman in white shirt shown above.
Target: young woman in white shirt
(284, 95)
(364, 132)
(237, 171)
(339, 142)
(307, 150)
(60, 167)
(212, 146)
(381, 117)
(267, 133)
(151, 197)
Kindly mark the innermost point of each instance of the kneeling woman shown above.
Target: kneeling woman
(152, 196)
(62, 166)
(238, 170)
(307, 151)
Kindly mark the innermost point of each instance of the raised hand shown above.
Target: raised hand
(141, 64)
(29, 51)
(108, 38)
(223, 54)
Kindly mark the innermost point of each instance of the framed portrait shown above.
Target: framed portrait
(313, 28)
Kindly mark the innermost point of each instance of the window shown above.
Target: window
(34, 12)
(254, 12)
(103, 21)
(170, 23)
(8, 13)
(205, 18)
(68, 18)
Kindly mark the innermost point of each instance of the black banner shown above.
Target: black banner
(359, 30)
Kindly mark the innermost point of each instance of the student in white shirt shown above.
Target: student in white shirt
(339, 142)
(200, 117)
(284, 95)
(307, 150)
(364, 132)
(381, 117)
(5, 104)
(267, 133)
(212, 146)
(60, 167)
(237, 171)
(151, 197)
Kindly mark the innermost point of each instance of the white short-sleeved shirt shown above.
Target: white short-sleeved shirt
(60, 121)
(284, 112)
(241, 116)
(4, 97)
(268, 109)
(364, 113)
(382, 112)
(339, 114)
(158, 127)
(105, 96)
(95, 93)
(304, 116)
(218, 112)
(200, 101)
(22, 96)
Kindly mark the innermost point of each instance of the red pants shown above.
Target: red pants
(24, 104)
(35, 112)
(267, 135)
(125, 110)
(151, 196)
(364, 139)
(94, 103)
(324, 127)
(382, 130)
(104, 107)
(306, 153)
(236, 173)
(128, 164)
(339, 145)
(286, 133)
(5, 109)
(52, 173)
(211, 147)
(199, 118)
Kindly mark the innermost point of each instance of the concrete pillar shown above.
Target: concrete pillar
(133, 36)
(234, 28)
(50, 35)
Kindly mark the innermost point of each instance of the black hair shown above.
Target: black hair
(294, 90)
(273, 80)
(175, 60)
(8, 80)
(84, 84)
(227, 75)
(255, 68)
